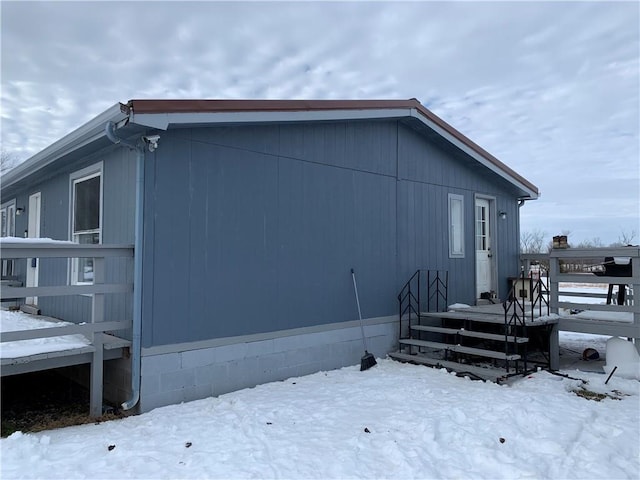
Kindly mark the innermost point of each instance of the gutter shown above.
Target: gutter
(139, 147)
(84, 135)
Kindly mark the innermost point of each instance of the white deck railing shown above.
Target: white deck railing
(95, 329)
(609, 319)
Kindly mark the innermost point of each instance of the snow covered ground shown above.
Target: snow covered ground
(392, 421)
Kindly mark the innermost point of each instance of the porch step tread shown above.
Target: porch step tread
(493, 336)
(472, 317)
(461, 349)
(469, 333)
(427, 328)
(111, 342)
(491, 374)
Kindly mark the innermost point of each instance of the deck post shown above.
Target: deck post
(97, 363)
(554, 270)
(554, 348)
(635, 294)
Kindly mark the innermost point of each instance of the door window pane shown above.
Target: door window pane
(481, 227)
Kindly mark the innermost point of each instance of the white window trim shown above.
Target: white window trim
(453, 229)
(87, 173)
(9, 208)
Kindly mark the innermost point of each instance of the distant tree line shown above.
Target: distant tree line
(534, 241)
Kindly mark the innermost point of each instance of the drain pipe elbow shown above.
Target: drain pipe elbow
(139, 148)
(110, 132)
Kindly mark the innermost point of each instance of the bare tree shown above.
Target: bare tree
(7, 161)
(595, 242)
(532, 242)
(627, 238)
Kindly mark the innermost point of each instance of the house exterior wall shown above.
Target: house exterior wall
(118, 177)
(270, 232)
(427, 172)
(250, 232)
(253, 229)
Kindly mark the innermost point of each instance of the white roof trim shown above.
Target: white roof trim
(472, 153)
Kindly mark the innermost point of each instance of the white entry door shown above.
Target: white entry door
(483, 247)
(33, 231)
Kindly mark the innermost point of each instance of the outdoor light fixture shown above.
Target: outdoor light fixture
(19, 211)
(503, 215)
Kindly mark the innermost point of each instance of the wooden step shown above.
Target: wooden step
(112, 342)
(492, 336)
(480, 352)
(489, 373)
(425, 343)
(469, 316)
(427, 328)
(469, 333)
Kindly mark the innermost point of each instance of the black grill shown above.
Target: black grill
(613, 269)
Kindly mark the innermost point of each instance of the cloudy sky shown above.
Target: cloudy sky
(552, 89)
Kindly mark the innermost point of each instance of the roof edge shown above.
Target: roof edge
(161, 113)
(82, 135)
(217, 106)
(476, 148)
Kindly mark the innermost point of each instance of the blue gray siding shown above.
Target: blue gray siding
(428, 171)
(253, 229)
(117, 228)
(269, 239)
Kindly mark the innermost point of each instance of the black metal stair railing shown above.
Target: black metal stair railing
(437, 290)
(410, 299)
(515, 320)
(516, 309)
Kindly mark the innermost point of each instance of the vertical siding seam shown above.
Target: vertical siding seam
(277, 219)
(398, 266)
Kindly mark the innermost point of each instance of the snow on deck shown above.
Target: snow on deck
(32, 240)
(16, 321)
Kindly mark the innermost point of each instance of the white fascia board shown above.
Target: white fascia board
(163, 120)
(473, 154)
(83, 135)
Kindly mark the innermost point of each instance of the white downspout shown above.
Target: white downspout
(139, 147)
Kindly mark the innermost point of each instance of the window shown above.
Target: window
(8, 215)
(456, 226)
(482, 233)
(86, 218)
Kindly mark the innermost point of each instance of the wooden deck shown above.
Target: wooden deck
(479, 341)
(97, 328)
(612, 320)
(615, 321)
(114, 347)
